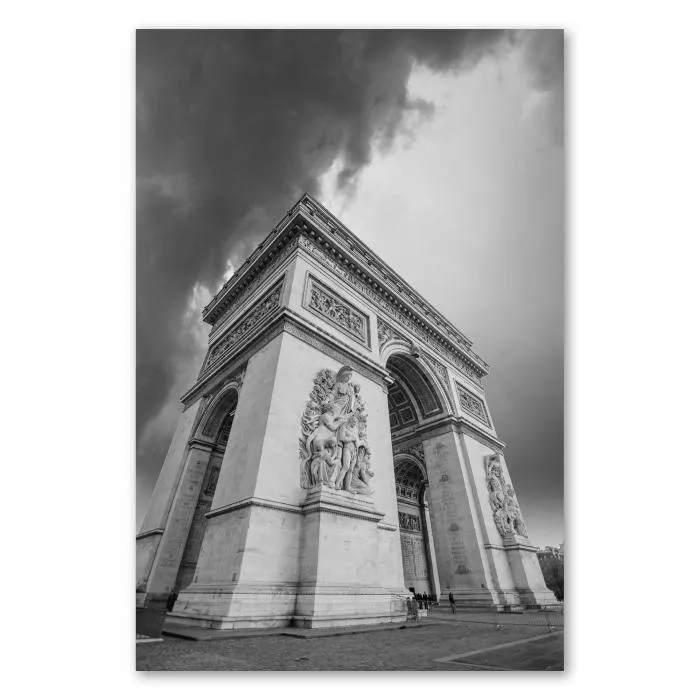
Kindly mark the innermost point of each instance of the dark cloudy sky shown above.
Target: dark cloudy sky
(442, 150)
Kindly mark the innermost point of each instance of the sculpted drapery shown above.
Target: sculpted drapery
(505, 507)
(333, 444)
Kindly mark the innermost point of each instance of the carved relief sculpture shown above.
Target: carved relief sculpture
(506, 511)
(333, 445)
(408, 521)
(325, 303)
(472, 405)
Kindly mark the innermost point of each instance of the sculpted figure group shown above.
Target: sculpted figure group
(333, 445)
(506, 511)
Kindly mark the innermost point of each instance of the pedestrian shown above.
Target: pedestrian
(453, 605)
(412, 608)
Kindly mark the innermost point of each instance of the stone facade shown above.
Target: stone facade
(336, 448)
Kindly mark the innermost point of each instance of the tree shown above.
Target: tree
(553, 572)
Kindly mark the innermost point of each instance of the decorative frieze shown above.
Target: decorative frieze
(473, 405)
(409, 521)
(238, 298)
(329, 263)
(400, 288)
(330, 306)
(505, 507)
(264, 308)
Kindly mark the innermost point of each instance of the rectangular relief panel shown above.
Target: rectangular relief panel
(331, 307)
(472, 404)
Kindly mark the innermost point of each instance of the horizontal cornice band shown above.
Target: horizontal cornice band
(310, 219)
(284, 320)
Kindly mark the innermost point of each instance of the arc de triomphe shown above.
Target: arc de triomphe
(335, 451)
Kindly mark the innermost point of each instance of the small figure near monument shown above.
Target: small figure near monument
(453, 605)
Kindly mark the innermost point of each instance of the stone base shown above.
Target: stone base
(339, 568)
(340, 564)
(475, 599)
(540, 599)
(501, 600)
(235, 606)
(341, 606)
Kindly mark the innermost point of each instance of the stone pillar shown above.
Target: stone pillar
(461, 561)
(512, 557)
(149, 539)
(430, 549)
(168, 557)
(480, 565)
(339, 577)
(274, 554)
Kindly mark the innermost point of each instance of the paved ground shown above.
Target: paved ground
(442, 643)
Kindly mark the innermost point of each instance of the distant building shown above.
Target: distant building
(551, 552)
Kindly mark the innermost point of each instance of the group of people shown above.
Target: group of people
(424, 601)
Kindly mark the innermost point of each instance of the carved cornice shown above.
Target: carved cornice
(274, 248)
(200, 444)
(284, 320)
(353, 261)
(254, 502)
(441, 425)
(464, 360)
(245, 325)
(237, 298)
(406, 297)
(150, 533)
(333, 347)
(321, 498)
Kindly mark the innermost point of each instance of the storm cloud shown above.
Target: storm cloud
(232, 127)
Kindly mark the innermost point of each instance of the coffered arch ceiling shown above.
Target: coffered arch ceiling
(414, 397)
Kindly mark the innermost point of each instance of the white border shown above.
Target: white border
(633, 256)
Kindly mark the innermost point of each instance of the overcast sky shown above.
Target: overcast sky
(442, 151)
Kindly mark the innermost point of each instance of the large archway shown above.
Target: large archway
(414, 526)
(215, 429)
(415, 400)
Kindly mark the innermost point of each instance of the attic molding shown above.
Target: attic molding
(310, 219)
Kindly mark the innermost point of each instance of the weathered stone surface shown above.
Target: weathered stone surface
(305, 524)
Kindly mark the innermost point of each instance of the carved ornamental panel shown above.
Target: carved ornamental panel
(505, 507)
(402, 318)
(330, 306)
(333, 445)
(409, 521)
(264, 308)
(472, 404)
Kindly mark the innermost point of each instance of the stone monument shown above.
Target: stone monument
(335, 449)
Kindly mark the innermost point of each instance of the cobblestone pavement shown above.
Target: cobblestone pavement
(415, 648)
